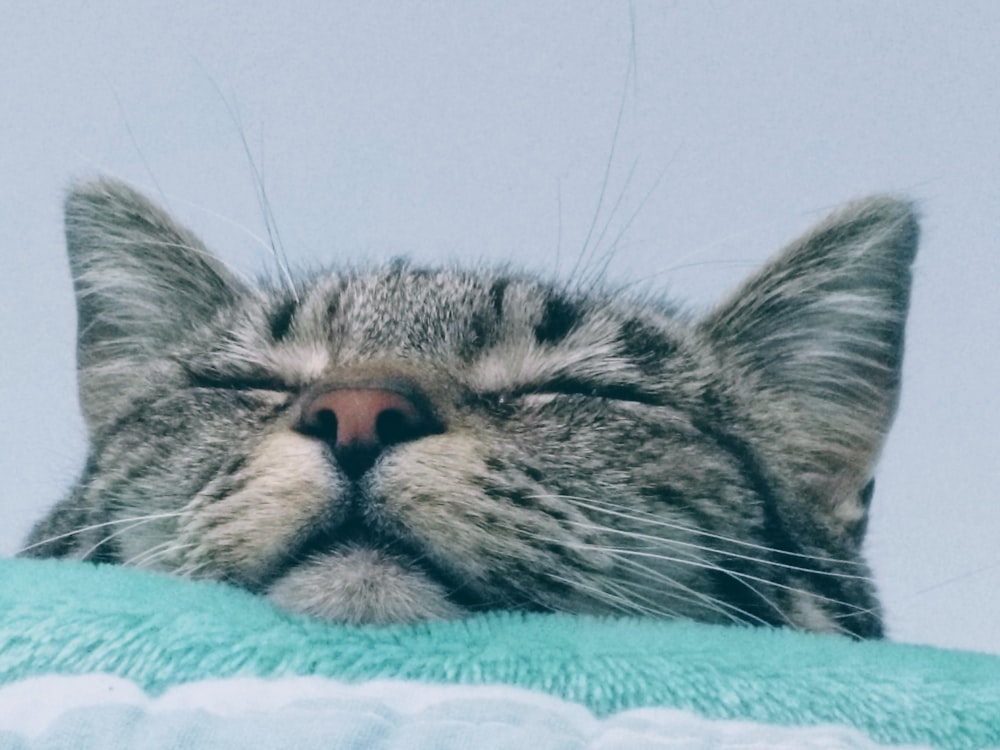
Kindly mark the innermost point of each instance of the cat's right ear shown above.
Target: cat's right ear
(141, 281)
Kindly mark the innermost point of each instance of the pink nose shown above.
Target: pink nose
(360, 423)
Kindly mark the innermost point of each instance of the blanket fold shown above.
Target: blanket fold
(159, 632)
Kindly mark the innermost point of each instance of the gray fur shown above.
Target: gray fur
(597, 454)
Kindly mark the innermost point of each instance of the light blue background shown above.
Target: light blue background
(469, 131)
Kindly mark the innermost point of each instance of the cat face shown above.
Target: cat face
(403, 444)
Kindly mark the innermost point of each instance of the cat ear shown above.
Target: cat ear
(141, 282)
(812, 345)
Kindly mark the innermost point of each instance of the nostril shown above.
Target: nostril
(322, 424)
(393, 426)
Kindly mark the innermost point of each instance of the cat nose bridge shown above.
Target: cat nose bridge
(359, 423)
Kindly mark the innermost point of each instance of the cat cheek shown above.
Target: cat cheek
(435, 488)
(426, 478)
(285, 486)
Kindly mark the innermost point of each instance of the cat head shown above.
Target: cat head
(399, 443)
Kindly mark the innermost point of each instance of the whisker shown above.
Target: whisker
(145, 557)
(559, 228)
(908, 599)
(257, 239)
(735, 574)
(92, 527)
(707, 600)
(135, 141)
(741, 577)
(710, 603)
(649, 518)
(952, 580)
(141, 521)
(276, 247)
(603, 260)
(585, 251)
(609, 255)
(702, 548)
(189, 569)
(652, 606)
(720, 606)
(690, 259)
(619, 603)
(621, 556)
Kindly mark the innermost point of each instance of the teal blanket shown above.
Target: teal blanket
(158, 632)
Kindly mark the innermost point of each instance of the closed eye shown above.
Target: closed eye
(607, 391)
(236, 381)
(626, 392)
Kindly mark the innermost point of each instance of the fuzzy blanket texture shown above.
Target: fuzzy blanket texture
(99, 656)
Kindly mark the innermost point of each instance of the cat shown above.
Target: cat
(401, 444)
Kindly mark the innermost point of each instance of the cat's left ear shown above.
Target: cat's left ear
(812, 348)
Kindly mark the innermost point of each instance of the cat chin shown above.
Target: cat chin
(362, 587)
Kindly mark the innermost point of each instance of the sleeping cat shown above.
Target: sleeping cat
(401, 444)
